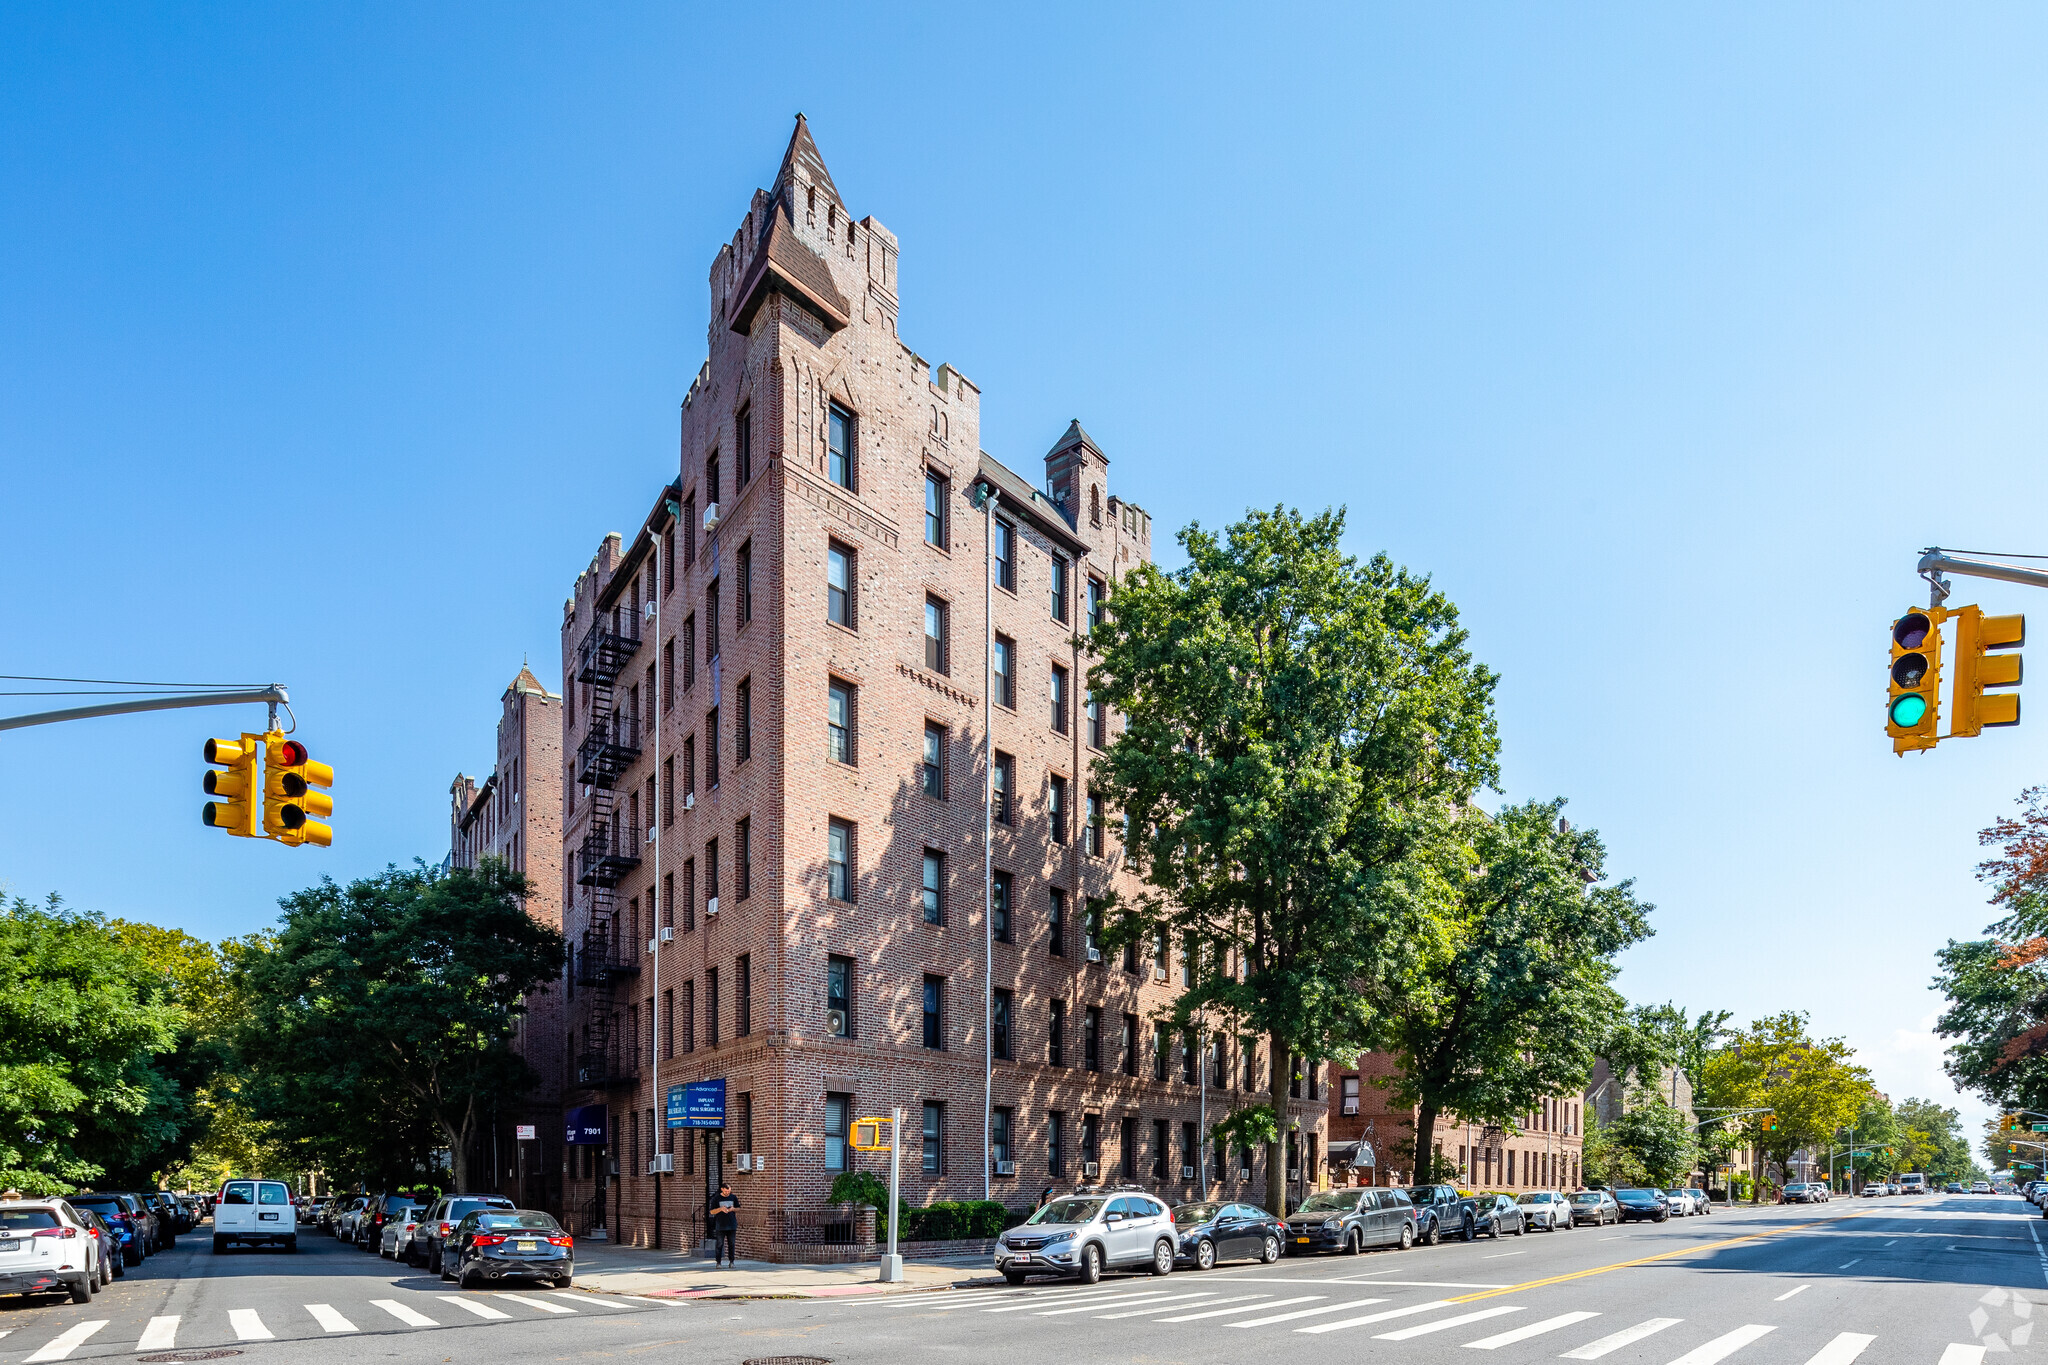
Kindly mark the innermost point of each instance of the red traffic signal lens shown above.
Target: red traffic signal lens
(291, 753)
(1911, 630)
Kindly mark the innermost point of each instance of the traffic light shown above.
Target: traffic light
(1770, 1123)
(234, 784)
(1915, 706)
(1977, 670)
(290, 800)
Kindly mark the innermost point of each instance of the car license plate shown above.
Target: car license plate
(1302, 1240)
(1021, 1258)
(528, 1246)
(10, 1246)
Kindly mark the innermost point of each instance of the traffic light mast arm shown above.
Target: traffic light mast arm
(1935, 562)
(274, 694)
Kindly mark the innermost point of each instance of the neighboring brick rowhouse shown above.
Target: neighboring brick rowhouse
(1543, 1151)
(516, 815)
(749, 701)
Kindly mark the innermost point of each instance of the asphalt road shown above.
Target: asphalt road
(1937, 1279)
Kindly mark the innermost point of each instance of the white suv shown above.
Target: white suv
(45, 1245)
(1080, 1235)
(255, 1212)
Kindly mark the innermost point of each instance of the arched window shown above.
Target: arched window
(1094, 505)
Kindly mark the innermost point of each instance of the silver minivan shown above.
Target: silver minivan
(1080, 1235)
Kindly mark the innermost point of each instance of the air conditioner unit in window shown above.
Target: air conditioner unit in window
(1095, 954)
(650, 834)
(744, 1162)
(1350, 1107)
(1006, 1168)
(1091, 1169)
(689, 800)
(1187, 1173)
(662, 1164)
(648, 610)
(711, 516)
(650, 945)
(668, 935)
(835, 1023)
(711, 907)
(1244, 1173)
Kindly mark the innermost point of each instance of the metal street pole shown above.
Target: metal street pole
(274, 694)
(892, 1264)
(988, 833)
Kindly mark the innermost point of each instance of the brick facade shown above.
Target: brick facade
(826, 443)
(1543, 1150)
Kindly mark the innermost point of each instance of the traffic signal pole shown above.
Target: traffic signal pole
(1935, 562)
(273, 694)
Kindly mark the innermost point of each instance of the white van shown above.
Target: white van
(1915, 1183)
(254, 1212)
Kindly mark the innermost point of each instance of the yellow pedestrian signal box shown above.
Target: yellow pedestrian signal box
(291, 795)
(867, 1136)
(233, 786)
(1977, 669)
(1914, 707)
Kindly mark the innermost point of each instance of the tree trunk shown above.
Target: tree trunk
(1425, 1145)
(458, 1153)
(1756, 1175)
(1276, 1154)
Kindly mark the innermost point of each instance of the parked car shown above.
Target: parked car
(1953, 1187)
(1080, 1235)
(45, 1247)
(1546, 1209)
(111, 1266)
(395, 1244)
(1596, 1207)
(1211, 1232)
(1683, 1205)
(1798, 1192)
(1489, 1215)
(345, 1221)
(1873, 1188)
(124, 1217)
(1439, 1211)
(254, 1213)
(1639, 1204)
(1702, 1202)
(1981, 1187)
(1350, 1220)
(167, 1217)
(369, 1233)
(491, 1245)
(450, 1209)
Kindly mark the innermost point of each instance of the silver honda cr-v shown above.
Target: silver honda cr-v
(1080, 1235)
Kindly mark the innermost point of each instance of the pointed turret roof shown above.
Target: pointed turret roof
(802, 151)
(526, 682)
(1075, 437)
(783, 262)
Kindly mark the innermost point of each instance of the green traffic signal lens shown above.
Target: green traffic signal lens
(1909, 710)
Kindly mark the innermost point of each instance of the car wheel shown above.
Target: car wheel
(220, 1244)
(1162, 1257)
(1436, 1233)
(1407, 1235)
(1521, 1226)
(466, 1280)
(81, 1290)
(1091, 1264)
(1467, 1231)
(563, 1281)
(1269, 1250)
(1014, 1276)
(1354, 1243)
(1493, 1228)
(291, 1246)
(1205, 1255)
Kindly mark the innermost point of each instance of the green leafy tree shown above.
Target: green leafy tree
(1810, 1087)
(1997, 988)
(394, 996)
(1508, 996)
(1649, 1143)
(1298, 723)
(1938, 1145)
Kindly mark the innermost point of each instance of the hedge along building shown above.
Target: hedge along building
(828, 830)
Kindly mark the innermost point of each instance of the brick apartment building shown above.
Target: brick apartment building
(774, 777)
(1544, 1151)
(516, 815)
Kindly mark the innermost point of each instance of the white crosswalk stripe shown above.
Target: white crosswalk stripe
(1723, 1346)
(1410, 1311)
(1203, 1299)
(408, 1316)
(541, 1304)
(160, 1335)
(69, 1341)
(329, 1320)
(1344, 1307)
(1215, 1310)
(1089, 1294)
(248, 1325)
(1424, 1329)
(1842, 1350)
(1091, 1307)
(1957, 1353)
(1627, 1336)
(482, 1310)
(588, 1300)
(1534, 1329)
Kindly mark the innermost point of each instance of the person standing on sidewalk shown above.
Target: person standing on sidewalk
(725, 1224)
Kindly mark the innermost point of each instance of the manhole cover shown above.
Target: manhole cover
(188, 1355)
(788, 1360)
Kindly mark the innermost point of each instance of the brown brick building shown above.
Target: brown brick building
(516, 816)
(774, 776)
(1542, 1152)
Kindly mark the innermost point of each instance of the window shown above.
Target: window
(712, 483)
(711, 621)
(746, 1117)
(934, 1128)
(1130, 1042)
(1127, 1148)
(1002, 664)
(1056, 808)
(839, 721)
(743, 729)
(1056, 922)
(1097, 595)
(689, 651)
(999, 906)
(1091, 1139)
(742, 996)
(1219, 1063)
(668, 791)
(839, 996)
(1161, 954)
(935, 635)
(689, 530)
(1059, 588)
(838, 1121)
(668, 900)
(689, 894)
(711, 1007)
(668, 1023)
(668, 559)
(743, 454)
(1003, 782)
(1055, 1141)
(1160, 1047)
(668, 676)
(1190, 1145)
(711, 748)
(1091, 1038)
(1131, 958)
(1091, 832)
(933, 774)
(934, 510)
(840, 457)
(746, 603)
(1159, 1149)
(1056, 1035)
(999, 1136)
(932, 891)
(999, 1034)
(839, 860)
(934, 1007)
(689, 765)
(1006, 555)
(1190, 958)
(1096, 730)
(839, 585)
(690, 1015)
(742, 857)
(1091, 930)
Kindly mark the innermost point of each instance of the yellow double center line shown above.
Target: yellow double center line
(1645, 1260)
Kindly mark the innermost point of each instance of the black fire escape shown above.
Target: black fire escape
(603, 958)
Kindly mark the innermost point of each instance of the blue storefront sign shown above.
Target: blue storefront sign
(700, 1104)
(586, 1126)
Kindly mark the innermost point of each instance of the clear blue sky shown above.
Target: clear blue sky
(332, 339)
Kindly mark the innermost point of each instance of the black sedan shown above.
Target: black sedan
(524, 1244)
(1490, 1215)
(1211, 1232)
(1640, 1204)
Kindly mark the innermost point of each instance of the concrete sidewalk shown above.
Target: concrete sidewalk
(684, 1275)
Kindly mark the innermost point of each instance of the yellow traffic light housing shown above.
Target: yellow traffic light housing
(1977, 670)
(1914, 707)
(290, 793)
(233, 785)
